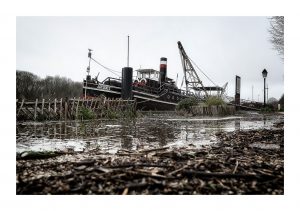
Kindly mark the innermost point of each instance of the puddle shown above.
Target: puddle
(148, 132)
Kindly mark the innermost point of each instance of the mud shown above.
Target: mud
(179, 156)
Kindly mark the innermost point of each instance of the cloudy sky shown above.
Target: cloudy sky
(221, 46)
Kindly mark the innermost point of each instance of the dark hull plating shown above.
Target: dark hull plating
(147, 99)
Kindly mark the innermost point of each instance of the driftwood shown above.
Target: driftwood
(226, 175)
(232, 166)
(154, 150)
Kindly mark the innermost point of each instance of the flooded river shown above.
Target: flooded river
(150, 131)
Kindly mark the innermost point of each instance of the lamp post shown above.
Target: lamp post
(264, 74)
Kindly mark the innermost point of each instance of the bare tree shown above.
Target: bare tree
(277, 33)
(27, 85)
(30, 86)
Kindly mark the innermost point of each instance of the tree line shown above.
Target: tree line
(277, 33)
(31, 87)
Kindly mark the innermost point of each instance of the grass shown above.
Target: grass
(214, 101)
(86, 113)
(187, 104)
(267, 109)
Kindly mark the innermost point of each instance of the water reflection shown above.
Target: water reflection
(237, 124)
(264, 119)
(143, 133)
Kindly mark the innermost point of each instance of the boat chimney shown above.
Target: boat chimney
(163, 69)
(126, 92)
(126, 83)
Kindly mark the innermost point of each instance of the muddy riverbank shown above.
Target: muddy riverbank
(239, 161)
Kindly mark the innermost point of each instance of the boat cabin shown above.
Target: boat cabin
(148, 73)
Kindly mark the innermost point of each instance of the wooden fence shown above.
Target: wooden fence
(68, 109)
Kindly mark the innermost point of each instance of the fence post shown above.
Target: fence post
(66, 110)
(77, 108)
(60, 112)
(72, 106)
(91, 103)
(35, 107)
(49, 110)
(55, 106)
(43, 106)
(20, 107)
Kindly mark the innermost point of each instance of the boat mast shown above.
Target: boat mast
(128, 51)
(90, 57)
(88, 71)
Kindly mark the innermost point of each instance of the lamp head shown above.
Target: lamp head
(264, 73)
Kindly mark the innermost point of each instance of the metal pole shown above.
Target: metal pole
(128, 53)
(85, 89)
(252, 93)
(89, 65)
(267, 93)
(264, 92)
(88, 70)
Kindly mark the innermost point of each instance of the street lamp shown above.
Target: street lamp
(264, 74)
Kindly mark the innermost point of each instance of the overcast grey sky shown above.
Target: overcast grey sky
(221, 46)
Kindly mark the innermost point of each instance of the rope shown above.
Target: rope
(203, 72)
(110, 70)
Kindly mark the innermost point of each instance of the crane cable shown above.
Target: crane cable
(110, 70)
(203, 72)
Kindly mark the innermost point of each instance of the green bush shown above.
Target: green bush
(41, 117)
(187, 103)
(214, 100)
(116, 114)
(267, 109)
(111, 114)
(86, 113)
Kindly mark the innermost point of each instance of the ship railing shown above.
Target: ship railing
(170, 88)
(109, 79)
(87, 83)
(190, 94)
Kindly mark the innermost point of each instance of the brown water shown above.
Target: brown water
(148, 132)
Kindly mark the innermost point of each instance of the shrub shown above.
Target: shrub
(267, 109)
(187, 103)
(214, 100)
(86, 113)
(111, 114)
(127, 113)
